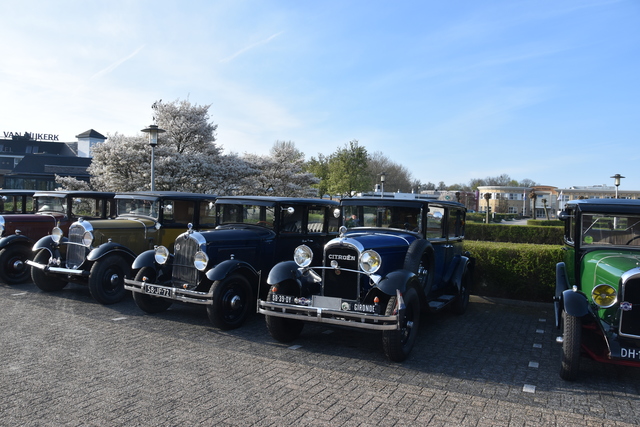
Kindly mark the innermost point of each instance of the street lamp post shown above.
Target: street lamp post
(617, 177)
(383, 175)
(153, 131)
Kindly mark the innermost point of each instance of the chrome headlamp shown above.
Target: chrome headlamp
(370, 261)
(161, 254)
(200, 260)
(604, 296)
(87, 239)
(303, 255)
(57, 234)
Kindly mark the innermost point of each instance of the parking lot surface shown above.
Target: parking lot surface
(67, 360)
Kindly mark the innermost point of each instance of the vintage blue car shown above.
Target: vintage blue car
(224, 268)
(394, 258)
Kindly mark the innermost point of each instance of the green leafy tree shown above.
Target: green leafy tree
(348, 171)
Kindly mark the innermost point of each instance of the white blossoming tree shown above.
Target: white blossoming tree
(281, 173)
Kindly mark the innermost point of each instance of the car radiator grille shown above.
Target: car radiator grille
(184, 272)
(76, 251)
(630, 319)
(341, 283)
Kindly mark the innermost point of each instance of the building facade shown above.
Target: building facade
(31, 161)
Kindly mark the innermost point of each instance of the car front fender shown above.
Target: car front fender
(575, 303)
(107, 248)
(225, 268)
(463, 263)
(145, 259)
(47, 243)
(15, 238)
(287, 270)
(396, 280)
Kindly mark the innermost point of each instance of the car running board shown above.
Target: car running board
(440, 302)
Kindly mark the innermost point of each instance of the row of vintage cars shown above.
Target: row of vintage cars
(371, 263)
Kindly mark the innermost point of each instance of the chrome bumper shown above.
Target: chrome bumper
(184, 295)
(61, 270)
(352, 319)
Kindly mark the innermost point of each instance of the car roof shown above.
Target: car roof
(388, 201)
(166, 195)
(245, 200)
(75, 193)
(16, 192)
(606, 205)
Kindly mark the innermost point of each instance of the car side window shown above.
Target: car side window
(435, 222)
(455, 226)
(291, 219)
(315, 219)
(178, 212)
(207, 215)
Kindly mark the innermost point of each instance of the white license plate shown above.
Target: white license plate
(157, 290)
(630, 353)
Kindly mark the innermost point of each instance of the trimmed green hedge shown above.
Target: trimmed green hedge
(499, 217)
(516, 271)
(514, 233)
(545, 223)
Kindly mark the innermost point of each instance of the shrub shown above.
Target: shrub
(516, 271)
(514, 233)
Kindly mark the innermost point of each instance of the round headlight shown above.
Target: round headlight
(87, 239)
(370, 261)
(303, 255)
(604, 295)
(200, 260)
(56, 234)
(161, 254)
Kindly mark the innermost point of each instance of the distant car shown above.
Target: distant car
(99, 253)
(224, 268)
(20, 231)
(597, 301)
(17, 201)
(392, 260)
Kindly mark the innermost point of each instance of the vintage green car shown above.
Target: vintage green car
(99, 253)
(597, 300)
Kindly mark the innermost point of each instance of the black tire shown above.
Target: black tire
(571, 343)
(281, 329)
(106, 279)
(397, 344)
(149, 303)
(462, 300)
(43, 281)
(232, 302)
(13, 266)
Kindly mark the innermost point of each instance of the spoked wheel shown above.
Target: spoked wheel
(571, 343)
(106, 281)
(397, 343)
(43, 281)
(232, 300)
(13, 266)
(149, 303)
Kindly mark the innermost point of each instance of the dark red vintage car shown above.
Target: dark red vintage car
(19, 231)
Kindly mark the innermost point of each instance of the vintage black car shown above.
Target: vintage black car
(392, 260)
(597, 301)
(21, 229)
(99, 253)
(223, 268)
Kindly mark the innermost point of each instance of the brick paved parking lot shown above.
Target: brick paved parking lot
(67, 360)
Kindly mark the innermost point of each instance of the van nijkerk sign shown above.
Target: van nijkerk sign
(31, 136)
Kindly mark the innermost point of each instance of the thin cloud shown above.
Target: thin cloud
(251, 46)
(116, 64)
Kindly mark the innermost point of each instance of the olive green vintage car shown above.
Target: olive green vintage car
(99, 253)
(597, 301)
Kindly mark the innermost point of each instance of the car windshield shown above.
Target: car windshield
(610, 229)
(402, 217)
(138, 207)
(52, 204)
(246, 214)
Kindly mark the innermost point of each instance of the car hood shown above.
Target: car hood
(379, 239)
(607, 266)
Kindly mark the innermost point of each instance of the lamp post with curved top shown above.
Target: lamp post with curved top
(617, 177)
(153, 131)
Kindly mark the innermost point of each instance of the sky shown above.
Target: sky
(544, 90)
